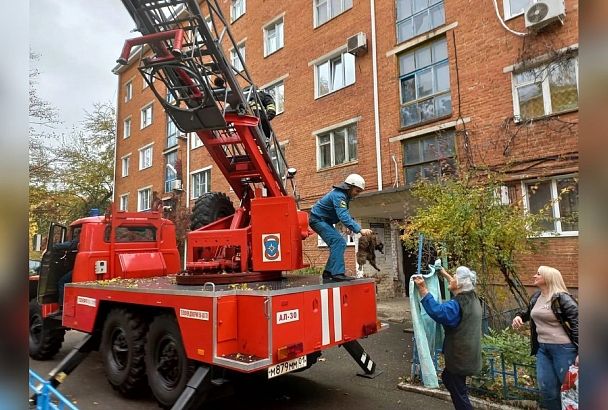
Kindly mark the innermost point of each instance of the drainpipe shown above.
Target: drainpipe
(375, 82)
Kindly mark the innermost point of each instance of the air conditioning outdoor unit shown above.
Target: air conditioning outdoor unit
(544, 12)
(176, 184)
(357, 44)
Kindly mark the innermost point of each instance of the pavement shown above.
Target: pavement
(395, 309)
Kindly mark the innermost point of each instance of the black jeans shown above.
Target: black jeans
(457, 387)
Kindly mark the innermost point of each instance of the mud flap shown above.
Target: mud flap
(363, 359)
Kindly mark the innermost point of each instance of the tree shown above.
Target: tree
(465, 217)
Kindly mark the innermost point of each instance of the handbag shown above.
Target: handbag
(569, 389)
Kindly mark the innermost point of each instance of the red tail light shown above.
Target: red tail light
(290, 351)
(370, 328)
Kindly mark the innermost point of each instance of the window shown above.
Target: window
(170, 170)
(146, 116)
(350, 239)
(515, 7)
(147, 74)
(557, 200)
(195, 141)
(124, 202)
(273, 37)
(125, 165)
(144, 199)
(128, 91)
(237, 9)
(326, 10)
(126, 132)
(429, 156)
(277, 90)
(546, 90)
(415, 17)
(424, 75)
(172, 133)
(337, 146)
(234, 57)
(201, 182)
(145, 157)
(335, 73)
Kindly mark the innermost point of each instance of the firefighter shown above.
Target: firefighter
(329, 210)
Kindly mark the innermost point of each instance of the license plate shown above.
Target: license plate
(286, 367)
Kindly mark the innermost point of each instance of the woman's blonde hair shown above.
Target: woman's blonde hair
(553, 279)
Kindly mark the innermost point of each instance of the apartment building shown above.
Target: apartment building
(388, 89)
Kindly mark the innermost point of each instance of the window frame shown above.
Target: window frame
(139, 192)
(234, 57)
(507, 10)
(330, 13)
(168, 180)
(557, 223)
(265, 31)
(545, 88)
(171, 138)
(125, 170)
(332, 132)
(425, 137)
(123, 202)
(195, 141)
(141, 156)
(233, 16)
(330, 59)
(414, 14)
(126, 127)
(128, 91)
(279, 104)
(205, 170)
(143, 109)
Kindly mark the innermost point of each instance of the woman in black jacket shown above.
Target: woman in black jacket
(553, 315)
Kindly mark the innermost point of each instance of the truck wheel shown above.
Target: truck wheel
(168, 368)
(46, 337)
(209, 208)
(122, 350)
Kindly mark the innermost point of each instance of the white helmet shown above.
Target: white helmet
(355, 180)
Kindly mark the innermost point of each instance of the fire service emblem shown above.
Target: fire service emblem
(272, 247)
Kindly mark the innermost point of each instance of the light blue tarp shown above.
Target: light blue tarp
(427, 332)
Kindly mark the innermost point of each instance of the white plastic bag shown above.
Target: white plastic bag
(569, 389)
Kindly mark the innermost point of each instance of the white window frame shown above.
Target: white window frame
(139, 193)
(331, 14)
(548, 108)
(554, 204)
(332, 131)
(233, 10)
(351, 239)
(152, 78)
(234, 57)
(128, 90)
(123, 203)
(200, 171)
(142, 157)
(126, 127)
(279, 103)
(280, 35)
(125, 163)
(507, 10)
(178, 133)
(144, 116)
(195, 141)
(342, 53)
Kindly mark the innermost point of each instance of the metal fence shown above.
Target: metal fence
(47, 397)
(498, 378)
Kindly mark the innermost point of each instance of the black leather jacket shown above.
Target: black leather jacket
(565, 309)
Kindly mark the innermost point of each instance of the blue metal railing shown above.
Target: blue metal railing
(495, 368)
(47, 397)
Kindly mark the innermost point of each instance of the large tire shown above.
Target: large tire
(122, 350)
(46, 335)
(167, 365)
(209, 208)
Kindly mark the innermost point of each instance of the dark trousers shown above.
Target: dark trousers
(67, 278)
(457, 387)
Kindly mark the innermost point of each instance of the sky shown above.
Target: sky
(78, 42)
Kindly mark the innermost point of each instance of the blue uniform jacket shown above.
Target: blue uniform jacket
(447, 314)
(333, 207)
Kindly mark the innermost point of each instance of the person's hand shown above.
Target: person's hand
(366, 231)
(517, 322)
(419, 281)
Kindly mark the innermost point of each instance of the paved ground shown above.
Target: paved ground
(395, 310)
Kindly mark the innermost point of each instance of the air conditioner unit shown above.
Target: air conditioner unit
(357, 44)
(176, 185)
(544, 12)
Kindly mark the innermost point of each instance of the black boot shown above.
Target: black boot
(342, 278)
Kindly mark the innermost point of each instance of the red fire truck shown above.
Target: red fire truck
(234, 308)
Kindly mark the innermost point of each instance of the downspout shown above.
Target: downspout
(375, 82)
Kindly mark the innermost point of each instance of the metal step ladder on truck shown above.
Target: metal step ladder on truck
(233, 309)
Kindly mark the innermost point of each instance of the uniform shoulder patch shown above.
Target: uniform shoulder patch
(343, 204)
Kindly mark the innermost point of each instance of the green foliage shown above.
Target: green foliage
(514, 346)
(311, 270)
